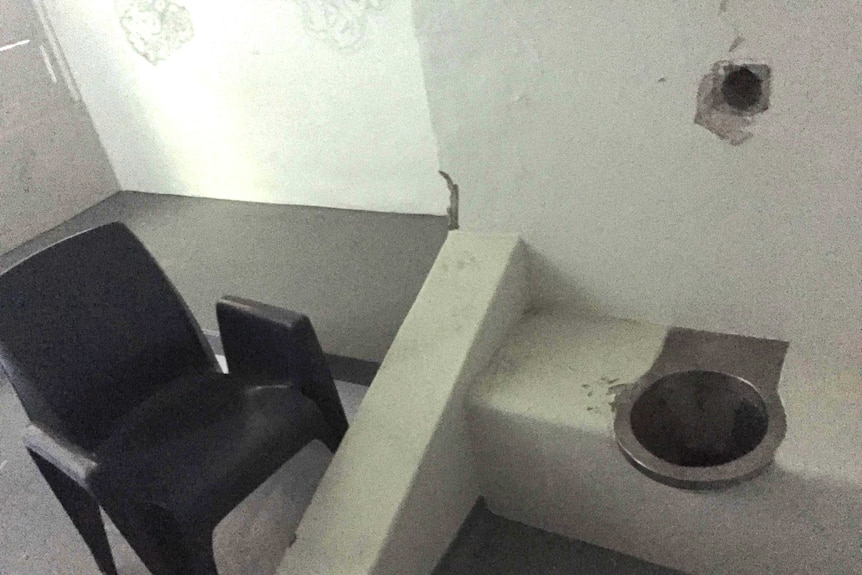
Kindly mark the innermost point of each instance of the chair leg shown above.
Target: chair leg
(202, 560)
(82, 510)
(162, 545)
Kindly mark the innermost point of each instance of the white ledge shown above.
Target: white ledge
(403, 480)
(542, 426)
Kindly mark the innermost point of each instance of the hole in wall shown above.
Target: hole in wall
(742, 89)
(731, 96)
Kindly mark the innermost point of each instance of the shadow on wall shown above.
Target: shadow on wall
(546, 277)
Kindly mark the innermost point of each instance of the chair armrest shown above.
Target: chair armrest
(73, 461)
(269, 341)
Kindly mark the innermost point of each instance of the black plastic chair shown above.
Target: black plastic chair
(129, 409)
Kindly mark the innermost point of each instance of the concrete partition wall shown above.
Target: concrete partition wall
(403, 480)
(572, 123)
(581, 126)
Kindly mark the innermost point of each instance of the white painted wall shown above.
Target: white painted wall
(571, 123)
(256, 108)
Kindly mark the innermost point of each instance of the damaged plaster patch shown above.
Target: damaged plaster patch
(155, 29)
(342, 24)
(452, 210)
(730, 97)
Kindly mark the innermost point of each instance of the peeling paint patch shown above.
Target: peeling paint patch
(452, 210)
(730, 97)
(155, 29)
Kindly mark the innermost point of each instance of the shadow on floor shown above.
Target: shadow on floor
(488, 544)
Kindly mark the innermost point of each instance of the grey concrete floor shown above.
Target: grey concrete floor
(488, 544)
(354, 273)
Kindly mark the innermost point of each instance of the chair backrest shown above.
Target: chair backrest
(89, 328)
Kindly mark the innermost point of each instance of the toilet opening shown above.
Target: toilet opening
(699, 418)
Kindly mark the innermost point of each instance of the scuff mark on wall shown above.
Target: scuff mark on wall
(730, 97)
(527, 47)
(736, 43)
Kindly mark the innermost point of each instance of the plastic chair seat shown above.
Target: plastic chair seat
(201, 439)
